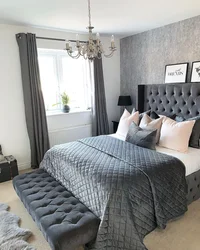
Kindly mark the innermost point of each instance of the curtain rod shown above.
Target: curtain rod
(57, 39)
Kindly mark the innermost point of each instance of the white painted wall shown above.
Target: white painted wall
(13, 132)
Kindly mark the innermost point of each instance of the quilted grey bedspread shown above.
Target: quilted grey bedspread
(131, 189)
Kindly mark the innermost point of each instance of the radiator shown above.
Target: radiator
(69, 134)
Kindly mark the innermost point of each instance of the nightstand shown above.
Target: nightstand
(115, 126)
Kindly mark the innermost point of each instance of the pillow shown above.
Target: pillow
(141, 137)
(175, 135)
(164, 115)
(150, 124)
(154, 115)
(179, 119)
(148, 112)
(125, 122)
(195, 136)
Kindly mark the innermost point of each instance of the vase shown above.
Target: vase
(66, 108)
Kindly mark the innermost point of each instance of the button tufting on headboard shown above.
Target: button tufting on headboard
(169, 99)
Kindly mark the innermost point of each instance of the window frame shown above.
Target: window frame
(58, 68)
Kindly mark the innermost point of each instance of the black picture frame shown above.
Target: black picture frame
(181, 78)
(195, 79)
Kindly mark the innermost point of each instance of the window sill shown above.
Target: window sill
(73, 112)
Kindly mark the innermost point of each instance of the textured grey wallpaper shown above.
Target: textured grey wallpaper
(144, 56)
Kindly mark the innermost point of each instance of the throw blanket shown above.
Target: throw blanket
(131, 189)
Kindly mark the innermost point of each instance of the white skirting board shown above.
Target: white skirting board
(61, 136)
(69, 134)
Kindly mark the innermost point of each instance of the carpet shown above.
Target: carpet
(181, 234)
(11, 235)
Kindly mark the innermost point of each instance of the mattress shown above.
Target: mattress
(191, 159)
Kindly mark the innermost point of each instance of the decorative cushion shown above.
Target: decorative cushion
(148, 112)
(154, 115)
(149, 124)
(175, 135)
(195, 136)
(126, 121)
(141, 137)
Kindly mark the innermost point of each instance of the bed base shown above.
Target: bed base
(193, 182)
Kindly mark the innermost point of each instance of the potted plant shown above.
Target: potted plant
(65, 102)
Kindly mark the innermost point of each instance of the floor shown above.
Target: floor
(182, 234)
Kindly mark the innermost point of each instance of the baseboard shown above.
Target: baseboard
(24, 166)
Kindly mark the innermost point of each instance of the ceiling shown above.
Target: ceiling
(119, 17)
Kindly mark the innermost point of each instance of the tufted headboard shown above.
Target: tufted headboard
(168, 99)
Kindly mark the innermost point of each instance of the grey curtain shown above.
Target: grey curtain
(100, 124)
(33, 98)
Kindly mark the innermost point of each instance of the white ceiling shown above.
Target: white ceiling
(120, 17)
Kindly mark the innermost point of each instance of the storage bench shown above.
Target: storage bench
(65, 222)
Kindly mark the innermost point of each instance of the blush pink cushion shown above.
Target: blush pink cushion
(151, 124)
(175, 135)
(126, 121)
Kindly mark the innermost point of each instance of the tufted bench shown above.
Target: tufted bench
(65, 222)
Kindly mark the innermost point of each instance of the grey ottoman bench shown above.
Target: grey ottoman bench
(64, 221)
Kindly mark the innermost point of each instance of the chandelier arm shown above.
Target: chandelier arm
(75, 56)
(109, 55)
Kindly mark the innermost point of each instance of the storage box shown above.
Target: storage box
(8, 168)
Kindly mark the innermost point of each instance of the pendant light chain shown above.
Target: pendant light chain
(89, 13)
(93, 48)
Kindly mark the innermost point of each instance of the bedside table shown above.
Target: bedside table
(115, 126)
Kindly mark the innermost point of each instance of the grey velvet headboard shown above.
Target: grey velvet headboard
(168, 99)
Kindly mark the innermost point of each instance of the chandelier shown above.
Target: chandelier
(90, 49)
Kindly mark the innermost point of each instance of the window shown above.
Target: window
(59, 73)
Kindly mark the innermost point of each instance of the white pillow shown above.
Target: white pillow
(125, 122)
(175, 135)
(151, 124)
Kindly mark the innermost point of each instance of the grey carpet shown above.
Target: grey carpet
(12, 237)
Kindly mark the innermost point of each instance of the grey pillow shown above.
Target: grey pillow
(141, 137)
(195, 136)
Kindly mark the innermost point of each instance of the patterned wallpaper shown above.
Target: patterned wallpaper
(144, 56)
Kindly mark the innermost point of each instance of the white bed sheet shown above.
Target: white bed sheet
(191, 159)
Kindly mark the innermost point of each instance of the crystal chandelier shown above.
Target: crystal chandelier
(90, 49)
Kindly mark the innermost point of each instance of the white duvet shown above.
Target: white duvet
(191, 159)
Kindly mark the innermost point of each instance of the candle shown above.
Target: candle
(112, 41)
(67, 45)
(98, 38)
(77, 40)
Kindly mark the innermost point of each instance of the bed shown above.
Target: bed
(131, 189)
(182, 100)
(191, 160)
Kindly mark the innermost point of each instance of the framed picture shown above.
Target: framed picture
(176, 73)
(195, 76)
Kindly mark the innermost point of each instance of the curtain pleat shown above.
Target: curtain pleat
(33, 98)
(100, 124)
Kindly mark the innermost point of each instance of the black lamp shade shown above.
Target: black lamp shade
(124, 100)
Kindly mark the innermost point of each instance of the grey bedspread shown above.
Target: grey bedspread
(131, 189)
